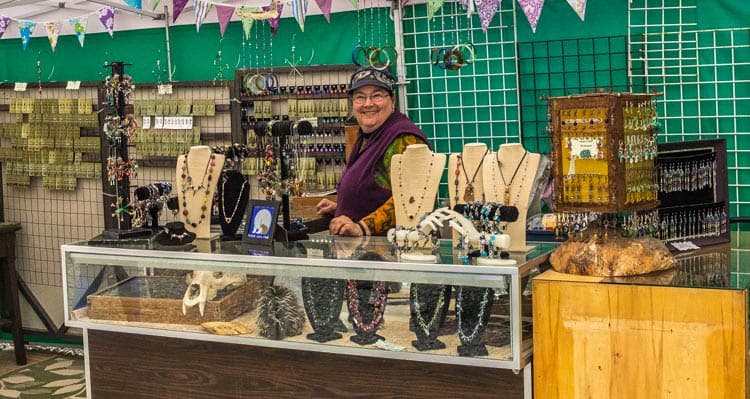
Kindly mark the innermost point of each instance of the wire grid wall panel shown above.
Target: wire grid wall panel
(563, 67)
(49, 218)
(479, 102)
(215, 130)
(705, 78)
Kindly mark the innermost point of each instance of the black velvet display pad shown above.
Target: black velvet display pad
(473, 308)
(323, 299)
(233, 192)
(426, 318)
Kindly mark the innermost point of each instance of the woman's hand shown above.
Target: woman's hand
(325, 207)
(344, 226)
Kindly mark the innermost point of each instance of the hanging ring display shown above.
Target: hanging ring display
(357, 52)
(272, 82)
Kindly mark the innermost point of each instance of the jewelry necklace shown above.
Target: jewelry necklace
(229, 218)
(187, 184)
(377, 309)
(404, 203)
(459, 314)
(328, 302)
(507, 184)
(469, 191)
(426, 327)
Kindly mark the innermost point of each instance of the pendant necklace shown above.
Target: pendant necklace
(412, 199)
(469, 190)
(187, 184)
(506, 195)
(459, 316)
(377, 310)
(229, 218)
(427, 326)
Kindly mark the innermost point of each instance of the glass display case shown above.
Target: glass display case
(328, 294)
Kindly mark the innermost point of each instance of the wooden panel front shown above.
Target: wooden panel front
(618, 341)
(137, 366)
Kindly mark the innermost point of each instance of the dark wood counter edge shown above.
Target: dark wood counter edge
(136, 366)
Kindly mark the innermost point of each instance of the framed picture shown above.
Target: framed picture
(260, 222)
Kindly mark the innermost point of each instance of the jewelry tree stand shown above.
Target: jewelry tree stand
(233, 193)
(323, 299)
(509, 179)
(118, 127)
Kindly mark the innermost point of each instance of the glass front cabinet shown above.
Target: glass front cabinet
(328, 294)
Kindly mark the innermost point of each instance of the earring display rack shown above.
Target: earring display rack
(693, 191)
(604, 146)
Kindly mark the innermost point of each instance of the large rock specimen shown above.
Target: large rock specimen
(616, 257)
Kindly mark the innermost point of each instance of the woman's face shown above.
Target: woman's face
(372, 106)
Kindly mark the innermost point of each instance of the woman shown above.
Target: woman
(365, 201)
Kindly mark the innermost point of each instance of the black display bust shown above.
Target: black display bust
(428, 304)
(323, 299)
(473, 308)
(233, 192)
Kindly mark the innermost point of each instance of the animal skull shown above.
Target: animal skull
(203, 286)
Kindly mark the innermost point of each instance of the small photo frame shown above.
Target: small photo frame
(260, 222)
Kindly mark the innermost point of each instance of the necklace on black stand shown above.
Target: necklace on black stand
(468, 303)
(434, 299)
(322, 299)
(365, 329)
(228, 218)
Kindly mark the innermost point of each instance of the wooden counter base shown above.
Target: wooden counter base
(139, 366)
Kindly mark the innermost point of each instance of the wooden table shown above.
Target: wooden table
(11, 311)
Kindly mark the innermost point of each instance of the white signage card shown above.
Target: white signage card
(146, 122)
(73, 85)
(684, 245)
(164, 89)
(585, 148)
(20, 86)
(158, 122)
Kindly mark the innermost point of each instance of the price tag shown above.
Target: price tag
(20, 86)
(684, 245)
(73, 85)
(146, 122)
(165, 89)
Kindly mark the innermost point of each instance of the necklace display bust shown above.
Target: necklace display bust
(197, 176)
(509, 179)
(465, 182)
(415, 177)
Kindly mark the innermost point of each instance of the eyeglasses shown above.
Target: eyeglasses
(376, 97)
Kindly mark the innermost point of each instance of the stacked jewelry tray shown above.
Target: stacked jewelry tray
(693, 192)
(604, 147)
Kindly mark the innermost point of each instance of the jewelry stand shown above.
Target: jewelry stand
(366, 302)
(197, 176)
(432, 301)
(322, 299)
(233, 193)
(473, 308)
(465, 182)
(509, 179)
(415, 177)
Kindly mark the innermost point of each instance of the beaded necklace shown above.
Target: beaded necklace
(187, 184)
(508, 184)
(229, 218)
(377, 310)
(426, 327)
(469, 190)
(459, 313)
(330, 302)
(402, 195)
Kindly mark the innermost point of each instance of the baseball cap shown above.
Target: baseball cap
(369, 76)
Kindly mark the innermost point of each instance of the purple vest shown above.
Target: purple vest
(358, 193)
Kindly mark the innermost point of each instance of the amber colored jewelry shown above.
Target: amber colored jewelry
(506, 195)
(469, 190)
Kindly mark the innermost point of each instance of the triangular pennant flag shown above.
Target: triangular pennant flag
(579, 6)
(24, 29)
(53, 31)
(325, 6)
(225, 14)
(201, 9)
(134, 3)
(154, 4)
(247, 25)
(4, 24)
(487, 10)
(532, 9)
(177, 6)
(274, 22)
(404, 3)
(355, 4)
(468, 5)
(299, 10)
(432, 7)
(107, 18)
(79, 27)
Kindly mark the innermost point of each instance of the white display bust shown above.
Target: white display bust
(415, 177)
(197, 177)
(472, 158)
(509, 179)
